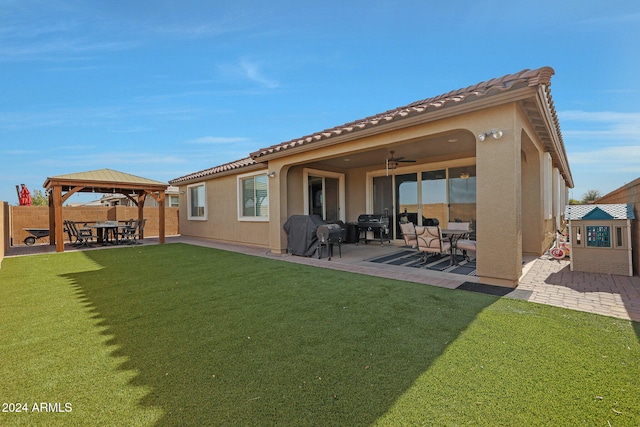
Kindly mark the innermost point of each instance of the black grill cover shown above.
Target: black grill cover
(301, 234)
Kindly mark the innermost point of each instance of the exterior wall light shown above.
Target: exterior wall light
(497, 134)
(272, 174)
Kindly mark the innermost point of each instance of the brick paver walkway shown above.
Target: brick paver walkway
(552, 282)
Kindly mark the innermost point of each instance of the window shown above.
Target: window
(619, 237)
(173, 201)
(599, 236)
(197, 202)
(576, 238)
(254, 198)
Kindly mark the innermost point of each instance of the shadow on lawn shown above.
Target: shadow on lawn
(226, 339)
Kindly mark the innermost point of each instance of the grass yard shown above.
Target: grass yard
(182, 335)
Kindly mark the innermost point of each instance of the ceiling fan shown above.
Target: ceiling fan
(392, 161)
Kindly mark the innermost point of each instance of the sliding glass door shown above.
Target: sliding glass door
(383, 197)
(447, 195)
(462, 195)
(433, 192)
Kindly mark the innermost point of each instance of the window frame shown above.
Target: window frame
(598, 236)
(170, 201)
(204, 216)
(240, 187)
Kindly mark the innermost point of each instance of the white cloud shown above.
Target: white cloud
(245, 69)
(603, 148)
(622, 157)
(217, 140)
(601, 125)
(252, 71)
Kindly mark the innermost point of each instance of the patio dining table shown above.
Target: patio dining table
(103, 229)
(453, 235)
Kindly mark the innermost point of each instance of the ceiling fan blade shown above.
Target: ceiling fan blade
(405, 160)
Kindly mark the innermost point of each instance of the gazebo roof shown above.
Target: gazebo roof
(104, 181)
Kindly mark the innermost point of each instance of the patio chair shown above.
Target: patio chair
(462, 242)
(69, 231)
(83, 236)
(409, 234)
(127, 234)
(141, 230)
(466, 245)
(458, 226)
(430, 241)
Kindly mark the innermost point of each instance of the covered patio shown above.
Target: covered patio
(61, 187)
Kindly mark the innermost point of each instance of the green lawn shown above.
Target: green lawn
(181, 335)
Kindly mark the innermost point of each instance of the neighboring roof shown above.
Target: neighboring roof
(236, 164)
(540, 76)
(599, 211)
(104, 178)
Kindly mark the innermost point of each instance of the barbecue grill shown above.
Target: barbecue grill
(377, 224)
(329, 235)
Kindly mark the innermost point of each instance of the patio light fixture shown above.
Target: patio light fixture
(272, 174)
(497, 134)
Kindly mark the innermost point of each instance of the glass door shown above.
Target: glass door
(383, 198)
(406, 200)
(324, 197)
(462, 195)
(434, 196)
(331, 199)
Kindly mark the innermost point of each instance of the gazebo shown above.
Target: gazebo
(136, 188)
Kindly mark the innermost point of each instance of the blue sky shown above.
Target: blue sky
(161, 89)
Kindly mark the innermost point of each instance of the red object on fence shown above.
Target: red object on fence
(25, 196)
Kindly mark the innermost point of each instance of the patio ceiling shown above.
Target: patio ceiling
(458, 143)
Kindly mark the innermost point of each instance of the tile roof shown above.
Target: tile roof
(236, 164)
(615, 211)
(540, 76)
(524, 78)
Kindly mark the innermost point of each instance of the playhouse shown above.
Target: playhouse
(600, 238)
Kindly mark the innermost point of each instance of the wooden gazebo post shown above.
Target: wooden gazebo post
(161, 220)
(55, 217)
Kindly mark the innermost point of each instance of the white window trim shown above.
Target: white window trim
(189, 216)
(240, 178)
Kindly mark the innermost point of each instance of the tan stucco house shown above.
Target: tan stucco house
(491, 154)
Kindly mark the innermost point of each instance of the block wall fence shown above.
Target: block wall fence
(629, 193)
(21, 217)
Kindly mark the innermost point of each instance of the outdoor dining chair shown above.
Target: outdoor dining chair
(83, 236)
(430, 241)
(127, 234)
(466, 245)
(463, 242)
(409, 234)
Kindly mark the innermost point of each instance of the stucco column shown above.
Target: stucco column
(277, 208)
(498, 208)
